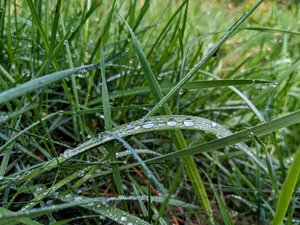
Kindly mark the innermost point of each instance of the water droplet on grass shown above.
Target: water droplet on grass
(148, 124)
(274, 85)
(80, 173)
(123, 218)
(171, 122)
(213, 124)
(81, 73)
(78, 198)
(137, 128)
(188, 122)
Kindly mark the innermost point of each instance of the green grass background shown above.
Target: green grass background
(149, 112)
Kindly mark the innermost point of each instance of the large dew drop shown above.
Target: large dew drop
(148, 124)
(188, 122)
(171, 122)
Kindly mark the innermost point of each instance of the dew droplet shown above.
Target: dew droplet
(78, 198)
(91, 204)
(171, 122)
(188, 122)
(213, 124)
(148, 124)
(81, 74)
(274, 85)
(123, 218)
(136, 127)
(80, 173)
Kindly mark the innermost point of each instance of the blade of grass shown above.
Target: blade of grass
(260, 130)
(287, 190)
(41, 82)
(270, 29)
(26, 221)
(222, 206)
(108, 126)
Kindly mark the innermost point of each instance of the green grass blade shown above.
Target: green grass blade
(161, 123)
(270, 29)
(222, 206)
(287, 190)
(41, 82)
(108, 125)
(26, 221)
(260, 130)
(190, 86)
(104, 209)
(39, 24)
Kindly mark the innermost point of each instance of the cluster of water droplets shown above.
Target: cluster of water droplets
(81, 73)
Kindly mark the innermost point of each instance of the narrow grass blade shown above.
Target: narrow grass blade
(26, 221)
(103, 208)
(241, 136)
(270, 29)
(39, 24)
(222, 206)
(190, 86)
(108, 125)
(41, 82)
(287, 190)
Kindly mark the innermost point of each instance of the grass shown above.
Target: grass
(146, 112)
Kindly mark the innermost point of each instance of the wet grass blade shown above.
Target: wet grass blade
(108, 126)
(241, 136)
(26, 221)
(222, 206)
(161, 123)
(270, 29)
(287, 190)
(41, 82)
